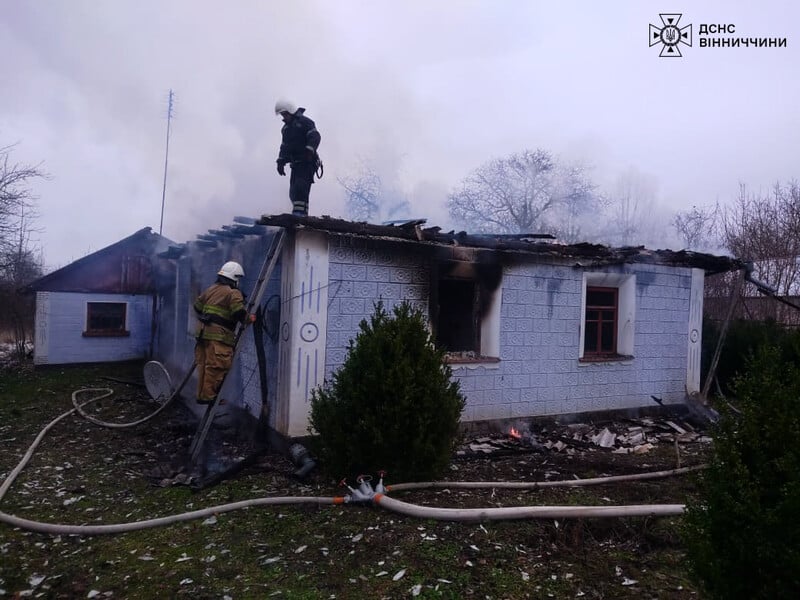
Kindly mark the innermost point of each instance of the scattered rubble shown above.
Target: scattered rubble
(628, 436)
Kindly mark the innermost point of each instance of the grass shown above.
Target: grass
(86, 474)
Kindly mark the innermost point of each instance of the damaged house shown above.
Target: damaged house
(100, 308)
(531, 327)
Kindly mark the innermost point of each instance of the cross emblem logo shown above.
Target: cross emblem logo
(670, 35)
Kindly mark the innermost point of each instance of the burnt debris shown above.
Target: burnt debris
(541, 245)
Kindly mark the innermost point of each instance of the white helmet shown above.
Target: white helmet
(282, 106)
(231, 270)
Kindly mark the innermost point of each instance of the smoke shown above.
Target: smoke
(389, 84)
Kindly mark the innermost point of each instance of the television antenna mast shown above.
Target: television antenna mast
(166, 158)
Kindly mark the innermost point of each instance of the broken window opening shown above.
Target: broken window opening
(458, 326)
(106, 319)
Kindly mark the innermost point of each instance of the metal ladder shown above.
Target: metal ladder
(255, 301)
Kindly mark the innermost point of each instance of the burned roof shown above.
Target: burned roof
(124, 267)
(241, 227)
(534, 244)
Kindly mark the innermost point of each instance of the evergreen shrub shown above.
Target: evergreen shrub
(743, 534)
(392, 405)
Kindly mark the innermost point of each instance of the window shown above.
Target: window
(106, 319)
(609, 317)
(465, 310)
(600, 330)
(458, 329)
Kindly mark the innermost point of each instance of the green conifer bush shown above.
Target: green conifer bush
(743, 534)
(392, 405)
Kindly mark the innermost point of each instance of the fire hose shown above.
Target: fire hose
(363, 494)
(155, 413)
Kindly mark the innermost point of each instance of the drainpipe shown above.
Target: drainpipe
(765, 289)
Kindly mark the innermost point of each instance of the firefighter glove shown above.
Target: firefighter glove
(281, 168)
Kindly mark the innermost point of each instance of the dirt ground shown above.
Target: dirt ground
(84, 474)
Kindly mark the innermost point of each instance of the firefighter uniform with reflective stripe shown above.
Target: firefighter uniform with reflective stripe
(218, 308)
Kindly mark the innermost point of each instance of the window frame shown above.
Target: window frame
(600, 353)
(90, 331)
(625, 284)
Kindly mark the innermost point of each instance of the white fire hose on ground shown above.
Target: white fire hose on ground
(157, 382)
(363, 494)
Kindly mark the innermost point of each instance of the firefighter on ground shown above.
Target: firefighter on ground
(219, 308)
(299, 142)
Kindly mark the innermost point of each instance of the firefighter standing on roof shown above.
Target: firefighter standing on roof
(299, 142)
(219, 308)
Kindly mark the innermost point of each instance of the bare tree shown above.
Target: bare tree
(18, 263)
(631, 202)
(368, 199)
(520, 193)
(575, 219)
(17, 317)
(765, 229)
(696, 226)
(15, 195)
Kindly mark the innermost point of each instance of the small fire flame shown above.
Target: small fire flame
(514, 433)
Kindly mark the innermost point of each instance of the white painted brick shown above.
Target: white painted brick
(511, 367)
(354, 272)
(555, 407)
(378, 273)
(364, 256)
(335, 356)
(541, 324)
(335, 271)
(365, 289)
(493, 396)
(386, 257)
(477, 397)
(521, 381)
(341, 255)
(340, 323)
(403, 275)
(522, 409)
(467, 384)
(389, 291)
(524, 353)
(524, 324)
(353, 306)
(514, 283)
(414, 292)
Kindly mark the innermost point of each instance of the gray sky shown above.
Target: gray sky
(425, 90)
